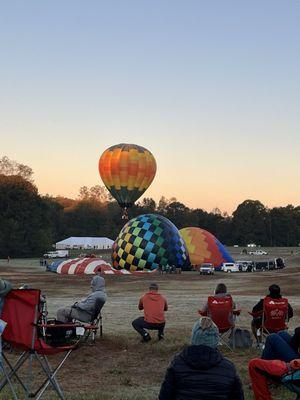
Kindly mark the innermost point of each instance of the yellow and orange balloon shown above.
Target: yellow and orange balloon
(204, 247)
(127, 171)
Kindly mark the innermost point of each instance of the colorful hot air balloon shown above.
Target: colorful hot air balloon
(203, 247)
(147, 242)
(127, 170)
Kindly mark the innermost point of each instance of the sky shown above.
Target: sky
(210, 88)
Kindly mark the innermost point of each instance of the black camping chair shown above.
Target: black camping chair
(95, 323)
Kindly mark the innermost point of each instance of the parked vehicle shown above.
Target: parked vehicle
(267, 265)
(56, 254)
(279, 262)
(207, 269)
(258, 252)
(245, 266)
(230, 267)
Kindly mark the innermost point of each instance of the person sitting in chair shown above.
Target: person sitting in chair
(5, 287)
(200, 371)
(265, 372)
(274, 293)
(282, 346)
(154, 306)
(220, 292)
(84, 310)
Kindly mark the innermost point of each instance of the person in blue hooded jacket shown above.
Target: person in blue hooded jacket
(200, 371)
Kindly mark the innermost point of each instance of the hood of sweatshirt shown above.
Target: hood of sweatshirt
(201, 357)
(98, 283)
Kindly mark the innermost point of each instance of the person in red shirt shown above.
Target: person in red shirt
(154, 306)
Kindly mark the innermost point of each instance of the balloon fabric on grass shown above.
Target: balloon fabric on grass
(203, 247)
(127, 170)
(147, 242)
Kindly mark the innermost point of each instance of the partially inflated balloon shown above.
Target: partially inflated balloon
(203, 247)
(147, 242)
(127, 170)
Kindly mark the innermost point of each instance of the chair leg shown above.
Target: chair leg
(15, 397)
(101, 326)
(13, 371)
(51, 376)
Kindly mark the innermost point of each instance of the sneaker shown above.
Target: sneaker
(146, 338)
(161, 336)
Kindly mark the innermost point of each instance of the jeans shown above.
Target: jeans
(140, 325)
(278, 347)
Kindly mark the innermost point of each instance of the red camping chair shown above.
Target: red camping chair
(220, 310)
(274, 316)
(22, 313)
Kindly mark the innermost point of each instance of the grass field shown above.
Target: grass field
(118, 366)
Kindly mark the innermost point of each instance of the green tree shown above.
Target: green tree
(250, 223)
(25, 228)
(284, 225)
(10, 167)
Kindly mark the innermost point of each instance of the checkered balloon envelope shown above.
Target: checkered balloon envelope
(147, 242)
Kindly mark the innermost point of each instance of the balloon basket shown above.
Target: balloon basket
(125, 214)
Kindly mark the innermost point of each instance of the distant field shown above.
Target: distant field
(119, 361)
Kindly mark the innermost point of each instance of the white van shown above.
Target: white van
(56, 254)
(230, 267)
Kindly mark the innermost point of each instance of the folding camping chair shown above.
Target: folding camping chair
(274, 317)
(23, 332)
(2, 367)
(95, 323)
(220, 310)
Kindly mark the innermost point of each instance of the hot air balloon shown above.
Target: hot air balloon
(127, 170)
(147, 242)
(204, 247)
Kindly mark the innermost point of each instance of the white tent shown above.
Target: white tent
(84, 243)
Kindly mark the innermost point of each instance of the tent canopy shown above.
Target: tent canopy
(84, 243)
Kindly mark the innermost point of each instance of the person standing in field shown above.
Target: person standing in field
(154, 306)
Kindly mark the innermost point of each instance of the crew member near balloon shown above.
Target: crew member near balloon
(127, 171)
(154, 306)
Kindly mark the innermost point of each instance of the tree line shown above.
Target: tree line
(31, 223)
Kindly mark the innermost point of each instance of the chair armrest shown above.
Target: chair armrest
(256, 314)
(58, 325)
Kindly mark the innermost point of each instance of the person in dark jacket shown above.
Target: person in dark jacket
(274, 293)
(200, 371)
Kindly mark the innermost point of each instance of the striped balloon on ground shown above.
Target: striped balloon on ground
(147, 242)
(78, 266)
(88, 266)
(203, 247)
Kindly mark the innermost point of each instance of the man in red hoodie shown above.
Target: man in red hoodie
(154, 306)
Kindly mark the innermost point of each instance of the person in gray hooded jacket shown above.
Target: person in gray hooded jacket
(85, 309)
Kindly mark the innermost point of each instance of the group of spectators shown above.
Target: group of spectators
(199, 371)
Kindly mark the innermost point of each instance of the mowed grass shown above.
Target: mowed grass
(119, 367)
